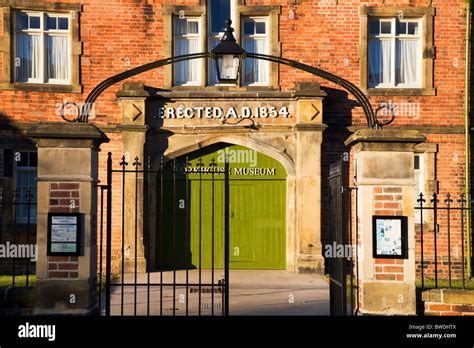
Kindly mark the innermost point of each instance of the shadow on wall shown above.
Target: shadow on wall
(17, 209)
(156, 143)
(12, 140)
(338, 106)
(338, 116)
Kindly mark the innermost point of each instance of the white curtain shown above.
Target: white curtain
(58, 57)
(380, 62)
(187, 71)
(213, 72)
(407, 58)
(180, 26)
(28, 52)
(255, 70)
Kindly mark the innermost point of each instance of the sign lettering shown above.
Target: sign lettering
(235, 171)
(217, 112)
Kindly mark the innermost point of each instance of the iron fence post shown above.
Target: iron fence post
(108, 262)
(435, 230)
(448, 202)
(462, 201)
(101, 245)
(421, 200)
(226, 235)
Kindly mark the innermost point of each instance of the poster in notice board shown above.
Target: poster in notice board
(64, 234)
(390, 237)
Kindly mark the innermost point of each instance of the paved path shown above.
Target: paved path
(252, 292)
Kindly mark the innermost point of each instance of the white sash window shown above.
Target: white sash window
(42, 48)
(255, 40)
(394, 53)
(190, 35)
(186, 41)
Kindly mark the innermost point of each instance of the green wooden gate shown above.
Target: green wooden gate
(257, 212)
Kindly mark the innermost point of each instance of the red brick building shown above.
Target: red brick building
(408, 57)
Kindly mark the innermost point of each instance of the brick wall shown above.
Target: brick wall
(446, 256)
(445, 302)
(389, 269)
(118, 35)
(63, 198)
(63, 267)
(388, 201)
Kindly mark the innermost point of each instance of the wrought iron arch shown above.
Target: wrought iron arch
(371, 118)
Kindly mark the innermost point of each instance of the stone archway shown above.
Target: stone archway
(293, 138)
(244, 140)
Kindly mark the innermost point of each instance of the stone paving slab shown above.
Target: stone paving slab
(252, 292)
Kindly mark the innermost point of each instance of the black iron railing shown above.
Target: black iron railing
(441, 248)
(17, 238)
(172, 240)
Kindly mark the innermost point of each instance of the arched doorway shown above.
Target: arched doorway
(258, 195)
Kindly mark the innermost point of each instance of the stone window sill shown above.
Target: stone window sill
(39, 87)
(225, 88)
(401, 91)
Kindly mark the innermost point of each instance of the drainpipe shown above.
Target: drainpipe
(467, 188)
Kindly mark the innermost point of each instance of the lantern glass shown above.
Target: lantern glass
(228, 67)
(227, 55)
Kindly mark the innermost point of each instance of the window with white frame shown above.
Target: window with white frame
(187, 40)
(218, 12)
(255, 40)
(26, 163)
(42, 52)
(419, 183)
(394, 53)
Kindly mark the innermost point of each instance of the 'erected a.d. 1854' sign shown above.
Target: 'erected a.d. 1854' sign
(201, 112)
